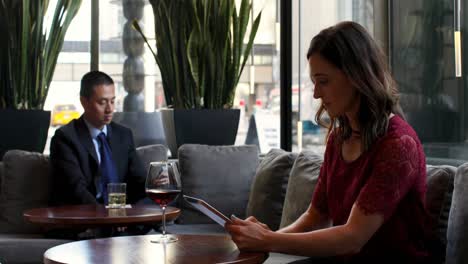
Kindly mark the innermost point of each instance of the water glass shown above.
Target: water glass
(117, 195)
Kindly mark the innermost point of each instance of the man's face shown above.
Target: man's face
(99, 108)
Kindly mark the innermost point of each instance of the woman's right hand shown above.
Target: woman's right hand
(255, 220)
(249, 234)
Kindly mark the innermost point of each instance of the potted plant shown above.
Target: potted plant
(201, 54)
(28, 55)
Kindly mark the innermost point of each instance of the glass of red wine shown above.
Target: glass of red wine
(163, 186)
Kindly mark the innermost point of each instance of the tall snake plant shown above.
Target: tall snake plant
(200, 50)
(29, 49)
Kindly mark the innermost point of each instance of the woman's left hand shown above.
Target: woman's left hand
(249, 234)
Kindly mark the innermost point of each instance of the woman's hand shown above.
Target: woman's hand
(249, 234)
(254, 220)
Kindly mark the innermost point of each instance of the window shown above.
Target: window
(72, 63)
(309, 17)
(123, 54)
(423, 63)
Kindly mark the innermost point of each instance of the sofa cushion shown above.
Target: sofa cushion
(269, 187)
(150, 153)
(457, 231)
(439, 197)
(302, 181)
(26, 185)
(221, 175)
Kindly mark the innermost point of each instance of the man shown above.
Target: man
(92, 151)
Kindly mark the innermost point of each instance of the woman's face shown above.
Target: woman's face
(333, 87)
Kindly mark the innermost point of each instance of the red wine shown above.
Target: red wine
(162, 197)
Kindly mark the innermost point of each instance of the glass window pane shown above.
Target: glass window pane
(73, 61)
(423, 64)
(257, 94)
(309, 17)
(122, 52)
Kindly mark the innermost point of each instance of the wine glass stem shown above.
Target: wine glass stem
(164, 220)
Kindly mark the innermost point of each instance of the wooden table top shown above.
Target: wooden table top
(97, 215)
(191, 249)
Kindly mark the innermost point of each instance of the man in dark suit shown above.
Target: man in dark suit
(76, 149)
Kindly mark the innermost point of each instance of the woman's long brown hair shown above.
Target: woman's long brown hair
(351, 49)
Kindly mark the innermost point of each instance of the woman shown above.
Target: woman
(372, 183)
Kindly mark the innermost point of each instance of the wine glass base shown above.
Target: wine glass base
(164, 239)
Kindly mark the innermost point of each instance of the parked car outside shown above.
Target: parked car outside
(64, 113)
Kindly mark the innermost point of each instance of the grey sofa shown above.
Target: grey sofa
(276, 188)
(25, 184)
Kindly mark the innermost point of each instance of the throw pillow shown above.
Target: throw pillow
(439, 197)
(220, 175)
(302, 181)
(26, 185)
(269, 187)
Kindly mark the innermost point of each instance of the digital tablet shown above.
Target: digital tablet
(207, 209)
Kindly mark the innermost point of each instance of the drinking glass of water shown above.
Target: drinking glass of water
(117, 195)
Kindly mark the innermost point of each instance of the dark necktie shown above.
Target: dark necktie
(108, 172)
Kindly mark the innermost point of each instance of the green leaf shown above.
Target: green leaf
(249, 44)
(200, 50)
(30, 49)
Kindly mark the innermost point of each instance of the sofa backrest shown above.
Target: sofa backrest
(220, 175)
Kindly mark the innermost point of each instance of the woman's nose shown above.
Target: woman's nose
(317, 94)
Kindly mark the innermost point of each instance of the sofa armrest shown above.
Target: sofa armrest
(457, 231)
(26, 184)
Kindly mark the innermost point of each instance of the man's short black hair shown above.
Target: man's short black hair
(92, 79)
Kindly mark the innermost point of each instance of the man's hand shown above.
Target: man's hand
(161, 181)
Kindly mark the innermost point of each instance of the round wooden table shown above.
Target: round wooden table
(139, 249)
(88, 216)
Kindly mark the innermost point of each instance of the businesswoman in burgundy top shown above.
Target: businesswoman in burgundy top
(372, 183)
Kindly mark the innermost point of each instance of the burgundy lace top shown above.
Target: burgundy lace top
(388, 179)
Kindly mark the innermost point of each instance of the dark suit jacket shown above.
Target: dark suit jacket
(75, 164)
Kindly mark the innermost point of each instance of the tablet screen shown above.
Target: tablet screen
(207, 209)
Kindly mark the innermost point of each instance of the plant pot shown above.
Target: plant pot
(200, 126)
(27, 130)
